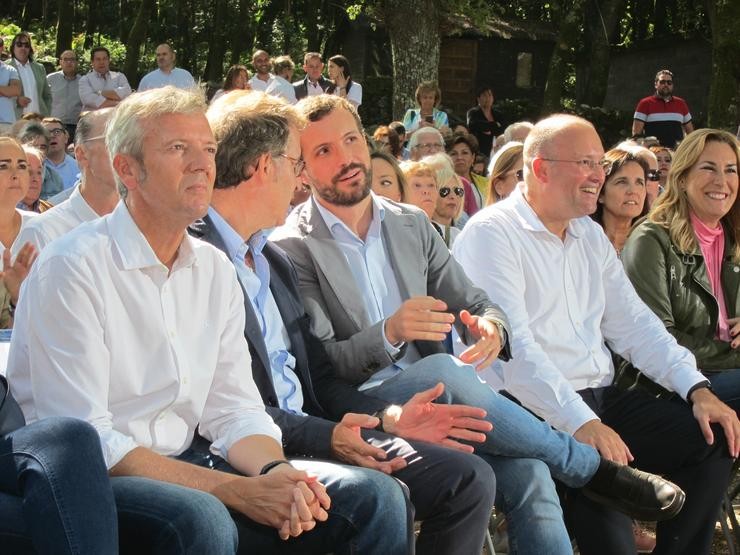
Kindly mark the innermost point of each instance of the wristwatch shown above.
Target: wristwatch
(706, 384)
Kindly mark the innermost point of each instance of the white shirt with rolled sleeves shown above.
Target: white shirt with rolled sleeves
(92, 83)
(565, 301)
(178, 77)
(104, 333)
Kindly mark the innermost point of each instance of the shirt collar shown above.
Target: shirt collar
(236, 247)
(102, 75)
(334, 224)
(529, 219)
(135, 251)
(80, 206)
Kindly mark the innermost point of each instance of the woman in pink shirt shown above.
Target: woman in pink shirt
(684, 260)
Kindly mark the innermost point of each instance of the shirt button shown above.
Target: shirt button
(185, 381)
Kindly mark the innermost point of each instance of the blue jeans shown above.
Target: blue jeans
(726, 386)
(513, 448)
(370, 513)
(56, 497)
(167, 519)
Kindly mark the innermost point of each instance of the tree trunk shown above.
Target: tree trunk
(93, 6)
(569, 24)
(413, 30)
(217, 45)
(600, 25)
(724, 88)
(65, 20)
(136, 38)
(243, 36)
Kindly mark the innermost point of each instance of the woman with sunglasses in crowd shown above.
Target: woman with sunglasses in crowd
(505, 171)
(451, 194)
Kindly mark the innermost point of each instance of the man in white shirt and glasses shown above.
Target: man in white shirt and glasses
(133, 326)
(557, 276)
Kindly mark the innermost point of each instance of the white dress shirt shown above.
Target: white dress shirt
(105, 333)
(178, 77)
(55, 222)
(369, 263)
(28, 78)
(26, 217)
(258, 84)
(282, 88)
(565, 301)
(93, 83)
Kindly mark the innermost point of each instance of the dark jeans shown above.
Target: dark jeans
(665, 439)
(56, 496)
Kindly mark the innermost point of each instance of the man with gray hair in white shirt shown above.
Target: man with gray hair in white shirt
(132, 325)
(570, 304)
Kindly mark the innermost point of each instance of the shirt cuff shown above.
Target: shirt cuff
(115, 446)
(244, 428)
(392, 350)
(682, 380)
(575, 414)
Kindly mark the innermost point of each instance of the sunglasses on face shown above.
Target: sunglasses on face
(445, 191)
(653, 175)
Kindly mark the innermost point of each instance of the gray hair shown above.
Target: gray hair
(126, 129)
(416, 137)
(514, 128)
(32, 130)
(246, 126)
(90, 124)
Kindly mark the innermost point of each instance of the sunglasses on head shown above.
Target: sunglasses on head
(653, 175)
(444, 191)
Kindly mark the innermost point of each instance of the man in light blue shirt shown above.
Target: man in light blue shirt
(10, 87)
(167, 73)
(56, 157)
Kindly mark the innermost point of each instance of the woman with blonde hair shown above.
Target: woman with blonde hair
(449, 208)
(505, 171)
(664, 155)
(428, 98)
(421, 186)
(684, 260)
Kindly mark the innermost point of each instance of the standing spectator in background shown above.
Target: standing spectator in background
(483, 122)
(505, 171)
(35, 95)
(57, 158)
(262, 67)
(65, 92)
(663, 115)
(340, 72)
(166, 72)
(281, 86)
(102, 88)
(10, 87)
(237, 79)
(314, 82)
(428, 97)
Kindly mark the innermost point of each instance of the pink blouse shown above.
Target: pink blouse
(712, 245)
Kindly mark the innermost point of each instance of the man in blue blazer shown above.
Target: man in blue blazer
(258, 164)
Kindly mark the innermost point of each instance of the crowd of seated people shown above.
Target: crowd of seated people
(342, 294)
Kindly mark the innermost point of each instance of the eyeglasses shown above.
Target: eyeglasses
(653, 175)
(665, 81)
(298, 164)
(430, 146)
(23, 44)
(69, 59)
(57, 131)
(445, 191)
(585, 164)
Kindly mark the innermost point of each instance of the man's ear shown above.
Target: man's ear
(540, 170)
(81, 156)
(128, 169)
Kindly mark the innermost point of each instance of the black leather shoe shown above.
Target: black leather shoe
(639, 494)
